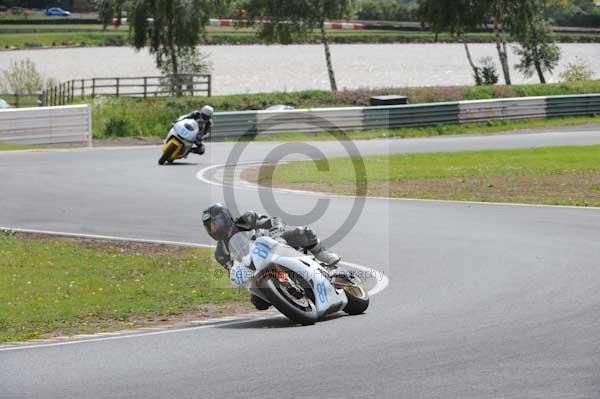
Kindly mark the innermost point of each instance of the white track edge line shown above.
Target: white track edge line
(254, 187)
(381, 283)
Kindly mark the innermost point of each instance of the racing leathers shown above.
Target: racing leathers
(297, 237)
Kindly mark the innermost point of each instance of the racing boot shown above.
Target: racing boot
(328, 258)
(200, 149)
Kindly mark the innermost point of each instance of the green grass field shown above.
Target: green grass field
(79, 35)
(61, 286)
(554, 175)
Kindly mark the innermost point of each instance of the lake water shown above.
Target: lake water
(249, 69)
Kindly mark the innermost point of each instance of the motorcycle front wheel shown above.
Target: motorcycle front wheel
(291, 295)
(167, 154)
(358, 298)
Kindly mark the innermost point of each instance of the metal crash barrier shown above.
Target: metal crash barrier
(47, 125)
(235, 124)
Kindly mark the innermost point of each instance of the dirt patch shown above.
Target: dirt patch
(203, 312)
(580, 189)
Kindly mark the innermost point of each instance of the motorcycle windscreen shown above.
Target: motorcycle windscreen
(239, 245)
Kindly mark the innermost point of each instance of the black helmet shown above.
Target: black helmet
(218, 222)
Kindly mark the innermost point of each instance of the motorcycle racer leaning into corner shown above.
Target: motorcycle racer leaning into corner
(204, 119)
(221, 226)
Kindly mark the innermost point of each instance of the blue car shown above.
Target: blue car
(58, 12)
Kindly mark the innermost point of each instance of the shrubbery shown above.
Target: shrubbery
(152, 117)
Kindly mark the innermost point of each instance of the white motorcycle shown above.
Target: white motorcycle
(180, 141)
(294, 283)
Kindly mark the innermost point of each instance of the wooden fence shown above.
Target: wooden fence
(146, 86)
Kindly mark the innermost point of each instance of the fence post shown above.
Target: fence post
(145, 86)
(118, 80)
(42, 99)
(210, 85)
(68, 92)
(82, 89)
(192, 83)
(16, 100)
(93, 87)
(72, 90)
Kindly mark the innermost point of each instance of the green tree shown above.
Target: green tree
(297, 18)
(456, 17)
(537, 48)
(171, 29)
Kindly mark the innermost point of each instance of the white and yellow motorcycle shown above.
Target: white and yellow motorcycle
(188, 131)
(294, 283)
(180, 141)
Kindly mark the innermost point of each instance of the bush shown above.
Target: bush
(118, 127)
(577, 71)
(388, 10)
(153, 116)
(21, 78)
(489, 74)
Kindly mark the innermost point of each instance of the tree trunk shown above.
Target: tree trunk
(540, 71)
(501, 45)
(174, 80)
(476, 74)
(330, 71)
(174, 65)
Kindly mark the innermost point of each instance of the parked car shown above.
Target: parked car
(55, 11)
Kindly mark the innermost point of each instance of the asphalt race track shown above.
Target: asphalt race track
(484, 300)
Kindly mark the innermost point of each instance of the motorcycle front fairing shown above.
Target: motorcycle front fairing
(181, 132)
(266, 252)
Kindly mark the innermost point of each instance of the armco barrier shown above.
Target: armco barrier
(573, 105)
(46, 125)
(368, 118)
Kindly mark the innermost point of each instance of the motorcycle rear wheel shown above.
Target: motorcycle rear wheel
(302, 311)
(167, 154)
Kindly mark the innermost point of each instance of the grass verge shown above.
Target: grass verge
(553, 176)
(131, 117)
(13, 147)
(76, 36)
(52, 286)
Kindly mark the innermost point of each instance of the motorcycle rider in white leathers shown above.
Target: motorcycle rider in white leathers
(221, 226)
(204, 119)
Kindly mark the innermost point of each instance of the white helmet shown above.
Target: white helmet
(207, 112)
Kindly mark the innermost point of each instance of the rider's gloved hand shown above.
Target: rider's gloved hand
(277, 228)
(196, 115)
